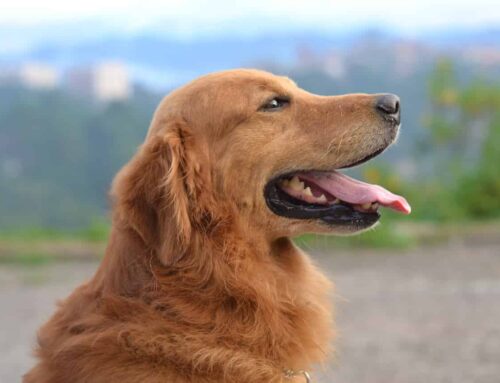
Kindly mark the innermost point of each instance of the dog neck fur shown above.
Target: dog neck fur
(189, 293)
(248, 306)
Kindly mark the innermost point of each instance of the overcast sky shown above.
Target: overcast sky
(185, 17)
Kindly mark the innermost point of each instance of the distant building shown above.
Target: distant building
(332, 62)
(104, 82)
(41, 76)
(31, 75)
(409, 56)
(486, 57)
(334, 65)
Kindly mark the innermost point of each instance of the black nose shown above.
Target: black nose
(388, 106)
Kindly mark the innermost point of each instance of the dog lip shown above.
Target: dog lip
(364, 159)
(376, 152)
(341, 214)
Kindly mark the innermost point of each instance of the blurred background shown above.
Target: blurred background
(417, 298)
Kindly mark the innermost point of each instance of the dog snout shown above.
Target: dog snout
(388, 105)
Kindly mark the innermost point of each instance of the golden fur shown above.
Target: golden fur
(200, 282)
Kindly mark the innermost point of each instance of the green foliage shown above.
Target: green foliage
(385, 235)
(481, 193)
(33, 234)
(27, 259)
(58, 155)
(480, 97)
(97, 231)
(442, 84)
(480, 188)
(464, 125)
(442, 130)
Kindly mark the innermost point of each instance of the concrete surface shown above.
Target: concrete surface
(427, 315)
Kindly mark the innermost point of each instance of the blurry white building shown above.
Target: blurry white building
(36, 75)
(105, 82)
(31, 75)
(334, 65)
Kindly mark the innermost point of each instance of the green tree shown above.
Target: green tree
(464, 128)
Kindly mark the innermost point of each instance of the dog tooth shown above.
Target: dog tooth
(366, 206)
(296, 184)
(375, 206)
(299, 184)
(322, 198)
(308, 192)
(336, 200)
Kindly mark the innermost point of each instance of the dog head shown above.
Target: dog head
(254, 146)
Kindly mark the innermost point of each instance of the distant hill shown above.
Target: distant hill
(58, 155)
(462, 37)
(160, 60)
(153, 58)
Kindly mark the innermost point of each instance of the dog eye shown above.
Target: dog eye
(275, 104)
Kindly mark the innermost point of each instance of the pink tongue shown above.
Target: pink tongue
(356, 192)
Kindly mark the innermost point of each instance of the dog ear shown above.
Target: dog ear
(157, 192)
(180, 193)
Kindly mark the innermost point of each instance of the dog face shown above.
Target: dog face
(255, 143)
(278, 161)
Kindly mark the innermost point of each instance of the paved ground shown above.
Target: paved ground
(429, 315)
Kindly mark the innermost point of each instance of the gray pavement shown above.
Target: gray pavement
(426, 315)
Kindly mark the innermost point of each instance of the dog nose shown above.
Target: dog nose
(388, 106)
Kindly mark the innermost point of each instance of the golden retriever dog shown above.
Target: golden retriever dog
(201, 281)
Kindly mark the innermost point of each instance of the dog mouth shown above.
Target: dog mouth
(331, 197)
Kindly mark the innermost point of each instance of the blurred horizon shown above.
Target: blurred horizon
(166, 44)
(79, 84)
